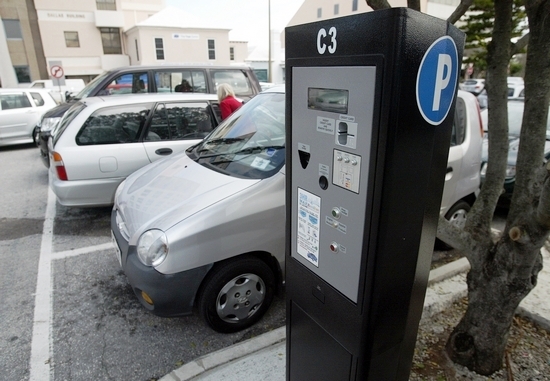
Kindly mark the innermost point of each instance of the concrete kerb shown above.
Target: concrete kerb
(226, 355)
(438, 300)
(446, 285)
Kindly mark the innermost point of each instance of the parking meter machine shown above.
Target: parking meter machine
(370, 100)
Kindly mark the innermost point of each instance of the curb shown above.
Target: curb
(215, 359)
(226, 355)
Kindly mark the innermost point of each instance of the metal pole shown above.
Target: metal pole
(269, 77)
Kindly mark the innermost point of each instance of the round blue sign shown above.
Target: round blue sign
(436, 80)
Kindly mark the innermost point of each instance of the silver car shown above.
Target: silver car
(20, 112)
(100, 141)
(206, 227)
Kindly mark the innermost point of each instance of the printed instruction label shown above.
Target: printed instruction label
(309, 209)
(325, 125)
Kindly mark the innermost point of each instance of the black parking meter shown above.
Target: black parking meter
(370, 100)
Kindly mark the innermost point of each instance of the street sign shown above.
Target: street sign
(56, 71)
(437, 79)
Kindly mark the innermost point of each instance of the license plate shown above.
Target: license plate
(117, 249)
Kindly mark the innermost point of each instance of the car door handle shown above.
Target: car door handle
(449, 173)
(164, 151)
(449, 169)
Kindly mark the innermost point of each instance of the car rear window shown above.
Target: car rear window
(114, 125)
(67, 119)
(238, 80)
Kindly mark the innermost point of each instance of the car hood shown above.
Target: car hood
(59, 110)
(169, 191)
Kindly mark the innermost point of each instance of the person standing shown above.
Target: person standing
(226, 97)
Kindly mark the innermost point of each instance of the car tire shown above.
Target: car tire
(456, 216)
(36, 136)
(236, 294)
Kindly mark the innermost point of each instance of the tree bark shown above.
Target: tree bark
(504, 272)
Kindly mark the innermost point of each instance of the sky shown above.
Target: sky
(248, 19)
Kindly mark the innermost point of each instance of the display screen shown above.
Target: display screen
(331, 100)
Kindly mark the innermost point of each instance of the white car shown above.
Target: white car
(206, 228)
(20, 112)
(100, 141)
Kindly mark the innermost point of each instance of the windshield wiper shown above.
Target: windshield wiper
(244, 151)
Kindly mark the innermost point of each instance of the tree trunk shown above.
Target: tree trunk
(503, 273)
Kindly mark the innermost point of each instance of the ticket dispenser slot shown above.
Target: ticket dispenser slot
(367, 145)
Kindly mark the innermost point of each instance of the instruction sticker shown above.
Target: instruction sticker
(309, 209)
(325, 125)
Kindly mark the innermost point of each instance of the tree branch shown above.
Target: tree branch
(520, 44)
(378, 4)
(460, 10)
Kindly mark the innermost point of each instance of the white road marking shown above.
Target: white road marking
(82, 250)
(40, 347)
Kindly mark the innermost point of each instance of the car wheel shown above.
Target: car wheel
(236, 294)
(36, 136)
(457, 216)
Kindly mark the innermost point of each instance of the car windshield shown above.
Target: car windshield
(515, 117)
(251, 143)
(85, 92)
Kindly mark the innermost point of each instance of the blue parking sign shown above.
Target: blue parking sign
(436, 80)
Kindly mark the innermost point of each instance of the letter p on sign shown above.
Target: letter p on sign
(436, 80)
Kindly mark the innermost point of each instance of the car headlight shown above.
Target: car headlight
(152, 247)
(49, 123)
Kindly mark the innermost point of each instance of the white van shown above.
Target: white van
(72, 86)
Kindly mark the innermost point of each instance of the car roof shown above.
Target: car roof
(19, 89)
(275, 89)
(122, 99)
(170, 67)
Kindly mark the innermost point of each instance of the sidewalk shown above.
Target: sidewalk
(264, 357)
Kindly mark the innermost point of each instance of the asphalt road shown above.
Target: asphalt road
(67, 310)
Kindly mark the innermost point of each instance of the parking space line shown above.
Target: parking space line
(82, 250)
(40, 361)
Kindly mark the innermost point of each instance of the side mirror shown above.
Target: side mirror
(68, 96)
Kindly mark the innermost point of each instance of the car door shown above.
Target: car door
(18, 115)
(456, 154)
(175, 126)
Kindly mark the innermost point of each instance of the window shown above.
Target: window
(458, 133)
(211, 50)
(110, 38)
(114, 125)
(137, 49)
(71, 40)
(336, 8)
(159, 48)
(38, 100)
(23, 73)
(180, 121)
(106, 5)
(232, 54)
(236, 78)
(354, 5)
(13, 29)
(319, 13)
(127, 84)
(261, 74)
(181, 81)
(14, 100)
